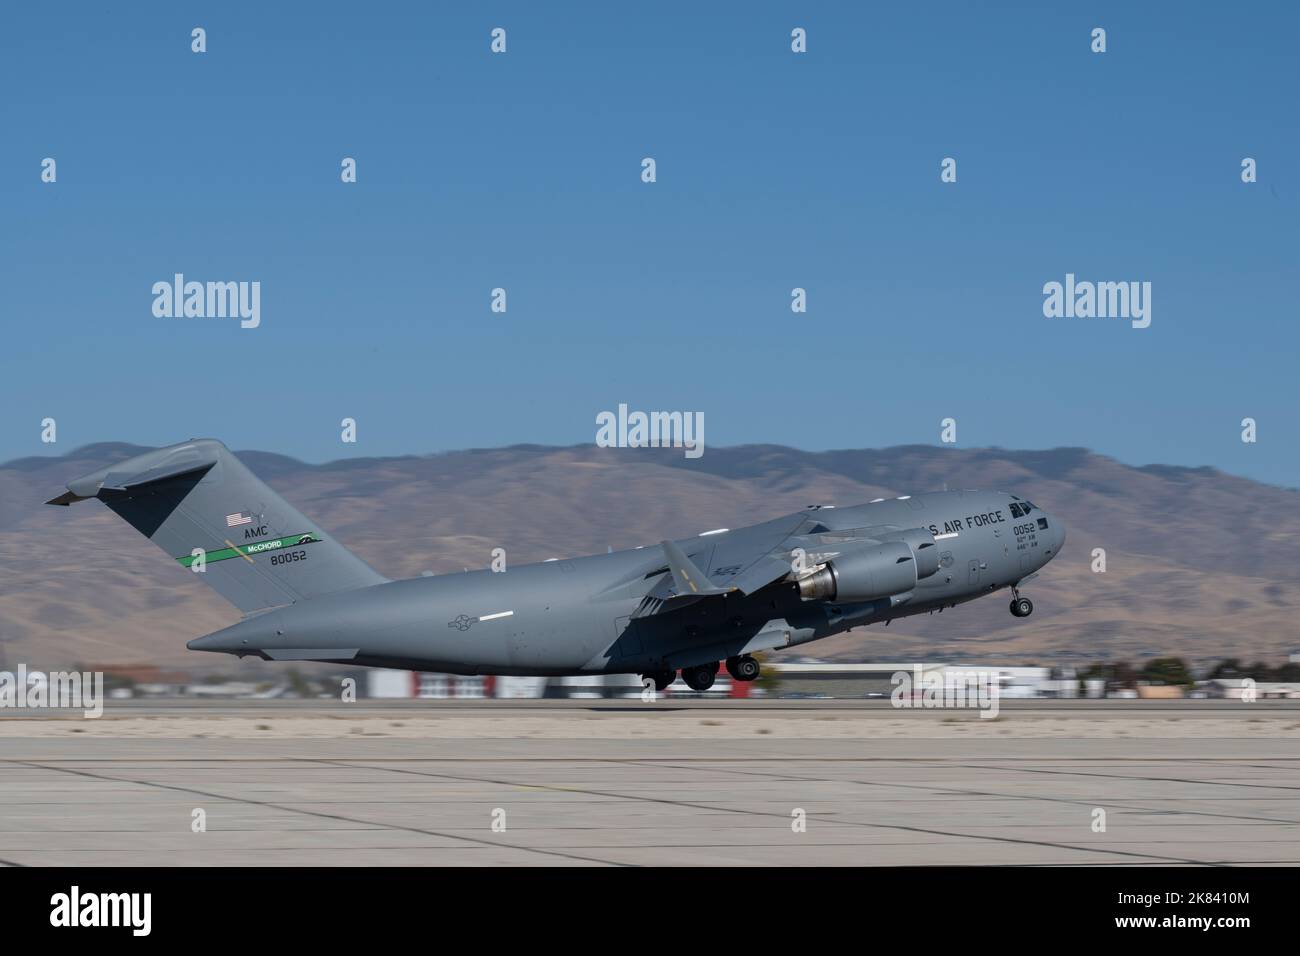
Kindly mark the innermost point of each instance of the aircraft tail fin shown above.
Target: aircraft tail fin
(202, 505)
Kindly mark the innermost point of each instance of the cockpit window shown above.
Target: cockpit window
(1021, 509)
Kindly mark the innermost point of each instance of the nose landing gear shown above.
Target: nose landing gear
(1020, 606)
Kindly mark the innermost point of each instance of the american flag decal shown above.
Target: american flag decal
(235, 520)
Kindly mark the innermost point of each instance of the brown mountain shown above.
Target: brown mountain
(1200, 564)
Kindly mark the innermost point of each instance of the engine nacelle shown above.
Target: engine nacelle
(864, 575)
(924, 549)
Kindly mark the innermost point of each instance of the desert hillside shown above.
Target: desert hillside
(1200, 564)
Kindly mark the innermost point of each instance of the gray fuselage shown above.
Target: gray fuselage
(587, 615)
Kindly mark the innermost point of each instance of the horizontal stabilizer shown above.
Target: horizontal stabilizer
(129, 481)
(191, 459)
(68, 498)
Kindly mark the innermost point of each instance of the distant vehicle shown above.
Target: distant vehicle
(680, 607)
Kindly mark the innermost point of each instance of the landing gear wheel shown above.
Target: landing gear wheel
(742, 668)
(662, 679)
(700, 678)
(1022, 607)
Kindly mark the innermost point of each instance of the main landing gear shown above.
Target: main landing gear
(662, 679)
(742, 668)
(1020, 606)
(700, 677)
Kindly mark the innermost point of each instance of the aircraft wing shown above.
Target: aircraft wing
(759, 574)
(753, 558)
(743, 563)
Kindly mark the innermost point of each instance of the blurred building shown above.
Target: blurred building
(1234, 688)
(813, 678)
(414, 684)
(803, 679)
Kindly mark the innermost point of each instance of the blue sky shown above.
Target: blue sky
(774, 171)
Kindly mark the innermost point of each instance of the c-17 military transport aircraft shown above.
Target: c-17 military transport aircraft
(681, 606)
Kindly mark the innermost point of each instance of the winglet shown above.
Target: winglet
(688, 578)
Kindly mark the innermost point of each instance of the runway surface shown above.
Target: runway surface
(676, 782)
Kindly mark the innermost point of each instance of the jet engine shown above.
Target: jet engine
(924, 549)
(873, 572)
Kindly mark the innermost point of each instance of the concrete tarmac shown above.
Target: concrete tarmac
(786, 783)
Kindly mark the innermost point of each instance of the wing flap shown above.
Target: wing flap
(758, 575)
